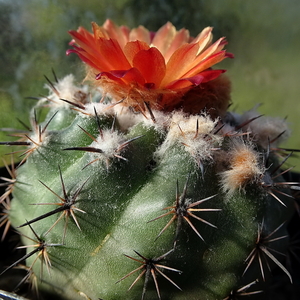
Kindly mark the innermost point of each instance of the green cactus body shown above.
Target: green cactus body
(120, 196)
(145, 204)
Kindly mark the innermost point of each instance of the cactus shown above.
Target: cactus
(141, 185)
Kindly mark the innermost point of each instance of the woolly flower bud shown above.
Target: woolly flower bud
(244, 168)
(266, 130)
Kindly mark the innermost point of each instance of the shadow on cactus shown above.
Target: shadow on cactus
(140, 184)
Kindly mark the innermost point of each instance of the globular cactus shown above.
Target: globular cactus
(141, 185)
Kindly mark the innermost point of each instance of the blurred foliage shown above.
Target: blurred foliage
(262, 34)
(193, 15)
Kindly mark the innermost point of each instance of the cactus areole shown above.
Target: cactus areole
(139, 184)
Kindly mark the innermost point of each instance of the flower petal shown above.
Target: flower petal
(140, 34)
(112, 53)
(185, 82)
(124, 76)
(175, 70)
(204, 38)
(206, 63)
(203, 77)
(89, 55)
(164, 37)
(113, 75)
(151, 64)
(211, 75)
(181, 38)
(84, 56)
(83, 38)
(121, 34)
(214, 48)
(99, 31)
(132, 48)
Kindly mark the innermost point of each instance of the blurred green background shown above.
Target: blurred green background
(263, 35)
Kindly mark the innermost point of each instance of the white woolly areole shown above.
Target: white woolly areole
(245, 168)
(127, 118)
(38, 139)
(109, 143)
(265, 129)
(102, 109)
(198, 140)
(66, 90)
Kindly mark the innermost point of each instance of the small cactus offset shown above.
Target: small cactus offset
(140, 184)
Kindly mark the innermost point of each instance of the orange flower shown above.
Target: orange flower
(138, 67)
